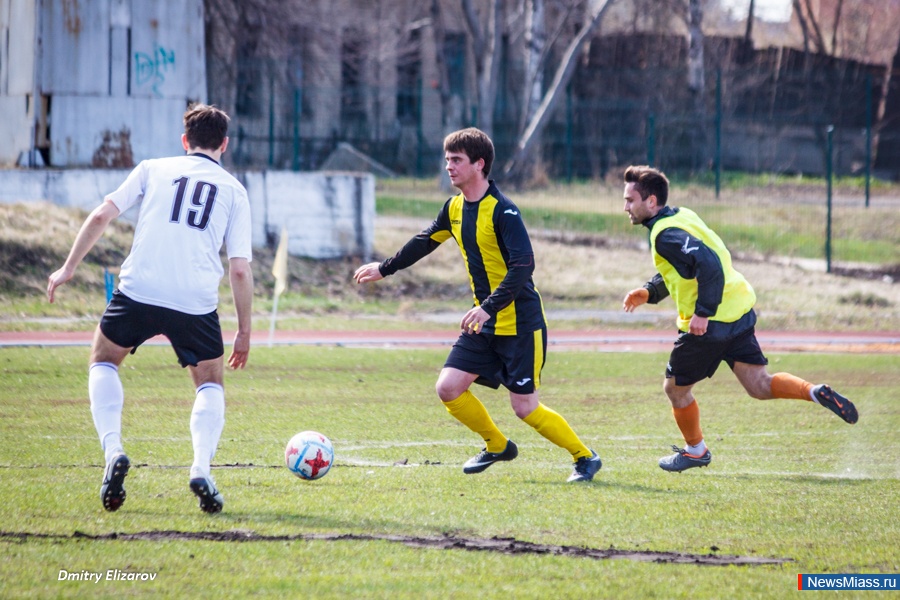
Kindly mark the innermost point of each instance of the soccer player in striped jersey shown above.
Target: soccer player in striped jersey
(716, 320)
(503, 338)
(169, 284)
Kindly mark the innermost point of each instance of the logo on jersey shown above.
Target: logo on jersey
(510, 211)
(687, 249)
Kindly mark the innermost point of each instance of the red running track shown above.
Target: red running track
(601, 340)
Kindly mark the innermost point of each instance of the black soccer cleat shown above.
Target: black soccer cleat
(484, 459)
(586, 467)
(836, 403)
(112, 492)
(211, 501)
(682, 461)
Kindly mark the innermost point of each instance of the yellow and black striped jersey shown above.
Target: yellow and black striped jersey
(498, 255)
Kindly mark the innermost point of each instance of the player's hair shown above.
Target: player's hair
(648, 182)
(205, 126)
(474, 143)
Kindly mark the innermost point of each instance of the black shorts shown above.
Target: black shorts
(515, 361)
(696, 357)
(194, 338)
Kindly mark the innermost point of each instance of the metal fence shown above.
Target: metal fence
(806, 130)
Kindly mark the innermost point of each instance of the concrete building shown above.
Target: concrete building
(111, 79)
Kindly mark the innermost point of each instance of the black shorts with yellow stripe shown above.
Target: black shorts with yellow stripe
(514, 361)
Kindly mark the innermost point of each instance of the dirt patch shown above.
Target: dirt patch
(886, 273)
(502, 545)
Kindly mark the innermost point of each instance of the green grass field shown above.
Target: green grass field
(789, 482)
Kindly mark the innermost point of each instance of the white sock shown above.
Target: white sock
(698, 450)
(207, 422)
(107, 398)
(812, 392)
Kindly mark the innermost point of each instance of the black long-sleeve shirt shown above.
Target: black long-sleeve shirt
(498, 254)
(693, 259)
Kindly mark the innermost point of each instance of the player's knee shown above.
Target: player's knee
(446, 391)
(522, 410)
(670, 388)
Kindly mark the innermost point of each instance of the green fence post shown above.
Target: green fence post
(828, 176)
(297, 112)
(271, 119)
(651, 142)
(718, 131)
(109, 281)
(868, 135)
(420, 134)
(569, 133)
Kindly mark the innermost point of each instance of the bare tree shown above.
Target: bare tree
(696, 83)
(440, 35)
(809, 24)
(804, 26)
(696, 78)
(485, 47)
(748, 32)
(836, 25)
(514, 166)
(535, 42)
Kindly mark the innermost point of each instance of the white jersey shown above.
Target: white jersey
(189, 206)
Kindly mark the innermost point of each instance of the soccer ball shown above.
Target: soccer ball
(309, 455)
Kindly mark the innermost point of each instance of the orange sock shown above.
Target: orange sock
(688, 419)
(785, 385)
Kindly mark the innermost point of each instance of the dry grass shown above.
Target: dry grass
(36, 238)
(586, 274)
(791, 295)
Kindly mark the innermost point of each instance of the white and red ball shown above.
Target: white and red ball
(309, 455)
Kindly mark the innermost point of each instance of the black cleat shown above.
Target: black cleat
(484, 459)
(836, 403)
(211, 501)
(681, 460)
(112, 492)
(586, 467)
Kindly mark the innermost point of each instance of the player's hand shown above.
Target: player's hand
(239, 351)
(635, 298)
(368, 272)
(57, 279)
(698, 325)
(474, 320)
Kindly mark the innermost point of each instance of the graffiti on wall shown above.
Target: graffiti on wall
(150, 69)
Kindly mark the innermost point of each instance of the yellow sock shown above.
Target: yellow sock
(555, 428)
(468, 410)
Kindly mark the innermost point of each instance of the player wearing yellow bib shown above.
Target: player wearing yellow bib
(504, 336)
(716, 320)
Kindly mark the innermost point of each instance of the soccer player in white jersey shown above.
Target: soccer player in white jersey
(189, 207)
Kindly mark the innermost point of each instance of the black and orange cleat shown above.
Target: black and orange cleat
(836, 403)
(682, 461)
